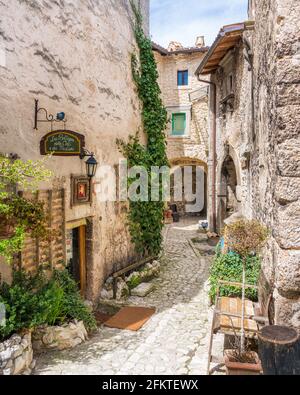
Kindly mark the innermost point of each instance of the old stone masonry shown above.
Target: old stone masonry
(174, 341)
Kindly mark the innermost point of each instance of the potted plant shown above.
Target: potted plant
(246, 363)
(245, 238)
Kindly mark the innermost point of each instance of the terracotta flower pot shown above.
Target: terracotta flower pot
(235, 368)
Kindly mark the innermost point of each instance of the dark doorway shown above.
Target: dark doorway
(228, 197)
(76, 256)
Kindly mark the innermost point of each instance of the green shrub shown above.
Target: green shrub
(73, 305)
(134, 282)
(33, 300)
(229, 267)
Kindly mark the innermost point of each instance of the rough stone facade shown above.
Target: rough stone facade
(276, 157)
(192, 148)
(63, 337)
(74, 57)
(258, 140)
(16, 355)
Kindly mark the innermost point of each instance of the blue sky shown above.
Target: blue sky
(183, 20)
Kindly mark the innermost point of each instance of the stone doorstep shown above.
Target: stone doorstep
(143, 290)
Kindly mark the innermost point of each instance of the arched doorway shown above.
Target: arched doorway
(228, 196)
(178, 167)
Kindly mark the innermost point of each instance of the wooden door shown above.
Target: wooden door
(82, 258)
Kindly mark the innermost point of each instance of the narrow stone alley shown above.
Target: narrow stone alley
(175, 340)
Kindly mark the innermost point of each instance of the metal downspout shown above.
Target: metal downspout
(213, 91)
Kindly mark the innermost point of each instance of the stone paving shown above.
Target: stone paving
(173, 342)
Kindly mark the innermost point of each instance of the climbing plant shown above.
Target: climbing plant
(20, 216)
(146, 218)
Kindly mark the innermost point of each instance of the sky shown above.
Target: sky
(184, 20)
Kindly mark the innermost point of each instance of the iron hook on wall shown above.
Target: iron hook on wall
(60, 117)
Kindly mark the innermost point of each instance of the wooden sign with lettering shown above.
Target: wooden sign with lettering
(62, 143)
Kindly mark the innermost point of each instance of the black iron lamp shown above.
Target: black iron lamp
(91, 163)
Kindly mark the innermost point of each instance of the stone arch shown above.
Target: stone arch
(229, 176)
(177, 163)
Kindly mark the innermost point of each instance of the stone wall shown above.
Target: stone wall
(59, 338)
(264, 143)
(16, 355)
(191, 149)
(275, 164)
(74, 57)
(195, 145)
(234, 125)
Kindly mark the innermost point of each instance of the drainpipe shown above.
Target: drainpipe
(213, 92)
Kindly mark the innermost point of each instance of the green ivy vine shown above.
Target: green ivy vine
(19, 216)
(146, 218)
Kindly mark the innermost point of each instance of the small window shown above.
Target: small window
(183, 78)
(178, 124)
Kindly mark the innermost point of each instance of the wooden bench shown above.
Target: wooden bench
(128, 269)
(227, 316)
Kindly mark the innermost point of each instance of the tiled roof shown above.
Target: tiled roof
(165, 52)
(227, 39)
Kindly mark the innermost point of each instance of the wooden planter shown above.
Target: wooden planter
(234, 368)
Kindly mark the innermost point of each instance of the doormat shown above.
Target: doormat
(130, 318)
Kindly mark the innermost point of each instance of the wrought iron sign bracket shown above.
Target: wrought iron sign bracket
(49, 118)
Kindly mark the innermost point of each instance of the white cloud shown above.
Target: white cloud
(183, 20)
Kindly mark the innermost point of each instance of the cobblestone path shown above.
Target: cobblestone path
(174, 341)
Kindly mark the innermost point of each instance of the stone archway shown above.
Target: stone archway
(180, 163)
(229, 190)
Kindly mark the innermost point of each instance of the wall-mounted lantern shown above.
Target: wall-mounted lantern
(60, 117)
(91, 163)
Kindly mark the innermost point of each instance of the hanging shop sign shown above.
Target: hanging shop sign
(62, 143)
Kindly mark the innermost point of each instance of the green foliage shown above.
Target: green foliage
(146, 218)
(13, 245)
(134, 282)
(229, 267)
(26, 174)
(22, 215)
(33, 300)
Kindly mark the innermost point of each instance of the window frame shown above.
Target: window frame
(176, 133)
(181, 79)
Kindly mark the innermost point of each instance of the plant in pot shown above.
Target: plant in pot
(241, 363)
(245, 238)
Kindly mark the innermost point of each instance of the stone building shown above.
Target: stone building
(74, 57)
(254, 116)
(186, 100)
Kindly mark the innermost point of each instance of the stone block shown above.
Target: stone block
(287, 311)
(59, 337)
(288, 122)
(288, 273)
(288, 93)
(287, 189)
(143, 290)
(288, 154)
(18, 355)
(286, 225)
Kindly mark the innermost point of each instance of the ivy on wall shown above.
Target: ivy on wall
(146, 218)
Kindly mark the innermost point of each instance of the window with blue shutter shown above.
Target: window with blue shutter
(183, 78)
